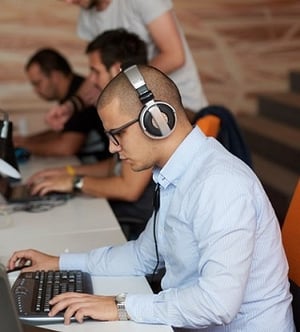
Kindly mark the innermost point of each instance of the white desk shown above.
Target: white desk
(81, 224)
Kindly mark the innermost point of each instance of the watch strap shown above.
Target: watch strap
(120, 302)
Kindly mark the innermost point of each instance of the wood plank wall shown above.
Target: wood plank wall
(241, 47)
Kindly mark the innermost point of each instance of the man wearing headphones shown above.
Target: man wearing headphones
(213, 229)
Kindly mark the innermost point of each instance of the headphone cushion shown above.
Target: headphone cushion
(147, 122)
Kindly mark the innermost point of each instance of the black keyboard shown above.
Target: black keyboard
(33, 290)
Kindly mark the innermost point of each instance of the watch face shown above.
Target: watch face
(121, 297)
(78, 182)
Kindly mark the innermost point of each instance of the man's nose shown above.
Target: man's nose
(113, 148)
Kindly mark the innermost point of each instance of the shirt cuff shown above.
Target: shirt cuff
(139, 307)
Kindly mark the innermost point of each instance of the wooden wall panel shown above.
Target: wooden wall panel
(241, 47)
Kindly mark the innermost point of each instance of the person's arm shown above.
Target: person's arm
(43, 135)
(133, 258)
(166, 36)
(128, 186)
(58, 115)
(222, 278)
(86, 96)
(221, 256)
(57, 144)
(99, 169)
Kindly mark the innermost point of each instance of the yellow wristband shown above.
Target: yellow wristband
(70, 170)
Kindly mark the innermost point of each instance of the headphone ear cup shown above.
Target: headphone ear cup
(152, 126)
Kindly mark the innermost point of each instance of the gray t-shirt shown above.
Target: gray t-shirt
(135, 15)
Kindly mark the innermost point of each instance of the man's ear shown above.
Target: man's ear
(115, 69)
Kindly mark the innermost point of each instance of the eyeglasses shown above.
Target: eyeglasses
(111, 134)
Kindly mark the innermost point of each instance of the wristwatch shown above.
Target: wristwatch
(77, 182)
(120, 302)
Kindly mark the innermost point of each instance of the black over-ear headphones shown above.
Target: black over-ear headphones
(157, 118)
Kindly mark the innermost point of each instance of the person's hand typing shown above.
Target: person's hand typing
(59, 183)
(48, 172)
(84, 305)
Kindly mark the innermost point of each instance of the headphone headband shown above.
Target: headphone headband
(157, 118)
(137, 81)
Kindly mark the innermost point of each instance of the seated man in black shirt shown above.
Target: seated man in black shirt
(53, 79)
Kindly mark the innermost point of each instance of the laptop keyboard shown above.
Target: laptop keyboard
(33, 290)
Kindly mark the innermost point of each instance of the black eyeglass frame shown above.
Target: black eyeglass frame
(112, 132)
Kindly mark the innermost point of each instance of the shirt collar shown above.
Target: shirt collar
(180, 160)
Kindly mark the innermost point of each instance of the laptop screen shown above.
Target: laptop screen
(9, 320)
(8, 314)
(4, 187)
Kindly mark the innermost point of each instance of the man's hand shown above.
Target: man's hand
(46, 184)
(58, 115)
(84, 305)
(37, 259)
(48, 172)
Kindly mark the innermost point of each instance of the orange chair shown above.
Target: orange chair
(219, 122)
(291, 243)
(291, 235)
(210, 125)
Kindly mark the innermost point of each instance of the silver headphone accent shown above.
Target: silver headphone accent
(157, 118)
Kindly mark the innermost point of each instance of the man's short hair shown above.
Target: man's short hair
(119, 45)
(49, 60)
(162, 87)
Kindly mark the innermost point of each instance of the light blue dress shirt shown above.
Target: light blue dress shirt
(219, 241)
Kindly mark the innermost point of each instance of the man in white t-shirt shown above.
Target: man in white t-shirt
(155, 22)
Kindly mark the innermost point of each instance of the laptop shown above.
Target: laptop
(20, 193)
(9, 320)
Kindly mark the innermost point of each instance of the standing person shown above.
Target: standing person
(214, 229)
(53, 79)
(129, 193)
(156, 23)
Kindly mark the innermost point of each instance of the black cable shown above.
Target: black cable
(156, 205)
